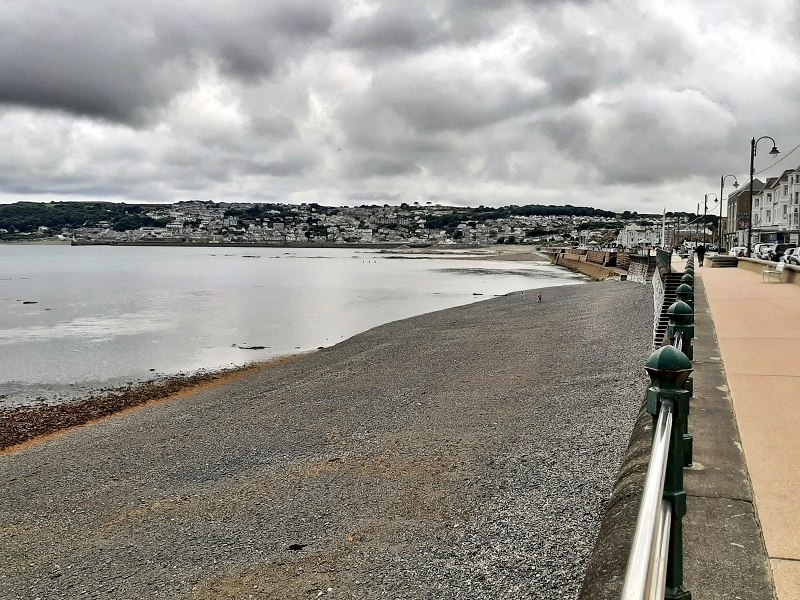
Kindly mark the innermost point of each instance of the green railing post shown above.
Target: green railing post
(681, 318)
(669, 369)
(688, 278)
(685, 293)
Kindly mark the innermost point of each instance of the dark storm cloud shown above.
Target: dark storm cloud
(117, 60)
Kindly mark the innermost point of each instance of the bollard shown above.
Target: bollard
(685, 294)
(669, 369)
(690, 270)
(680, 321)
(688, 279)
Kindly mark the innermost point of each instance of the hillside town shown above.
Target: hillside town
(207, 222)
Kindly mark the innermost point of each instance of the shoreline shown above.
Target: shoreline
(28, 425)
(360, 468)
(25, 424)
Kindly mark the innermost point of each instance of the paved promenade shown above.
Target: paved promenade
(758, 329)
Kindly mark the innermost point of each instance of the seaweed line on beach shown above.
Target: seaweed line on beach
(23, 424)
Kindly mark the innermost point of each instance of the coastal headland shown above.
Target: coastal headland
(462, 453)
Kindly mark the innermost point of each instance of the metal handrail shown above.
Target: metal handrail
(678, 341)
(655, 562)
(658, 561)
(640, 580)
(664, 260)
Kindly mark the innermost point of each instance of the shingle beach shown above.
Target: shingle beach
(466, 453)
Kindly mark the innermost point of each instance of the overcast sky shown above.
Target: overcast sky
(618, 105)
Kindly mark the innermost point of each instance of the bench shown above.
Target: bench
(777, 272)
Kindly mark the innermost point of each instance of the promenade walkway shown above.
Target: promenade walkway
(758, 330)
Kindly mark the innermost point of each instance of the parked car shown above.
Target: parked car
(738, 251)
(792, 257)
(763, 249)
(779, 250)
(784, 258)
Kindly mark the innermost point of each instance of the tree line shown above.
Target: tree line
(482, 213)
(26, 217)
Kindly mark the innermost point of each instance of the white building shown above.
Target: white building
(634, 235)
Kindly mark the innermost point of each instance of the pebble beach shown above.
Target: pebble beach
(465, 453)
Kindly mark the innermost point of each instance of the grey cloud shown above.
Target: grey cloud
(294, 159)
(374, 196)
(303, 19)
(121, 59)
(275, 126)
(394, 25)
(438, 98)
(244, 64)
(444, 100)
(645, 136)
(574, 70)
(279, 168)
(379, 166)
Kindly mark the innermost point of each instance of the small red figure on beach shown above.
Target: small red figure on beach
(540, 296)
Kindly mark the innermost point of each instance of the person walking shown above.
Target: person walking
(701, 252)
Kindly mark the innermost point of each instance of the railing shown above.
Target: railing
(678, 341)
(658, 302)
(644, 577)
(655, 562)
(664, 260)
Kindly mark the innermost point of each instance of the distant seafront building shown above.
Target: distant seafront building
(633, 235)
(776, 210)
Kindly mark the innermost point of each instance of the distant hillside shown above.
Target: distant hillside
(25, 217)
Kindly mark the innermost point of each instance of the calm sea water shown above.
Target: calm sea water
(107, 315)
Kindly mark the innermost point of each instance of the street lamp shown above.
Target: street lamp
(773, 152)
(697, 225)
(705, 213)
(722, 187)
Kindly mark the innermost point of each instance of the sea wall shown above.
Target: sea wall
(578, 261)
(601, 265)
(640, 268)
(791, 273)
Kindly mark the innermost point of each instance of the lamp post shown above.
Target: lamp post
(722, 187)
(773, 152)
(705, 213)
(697, 226)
